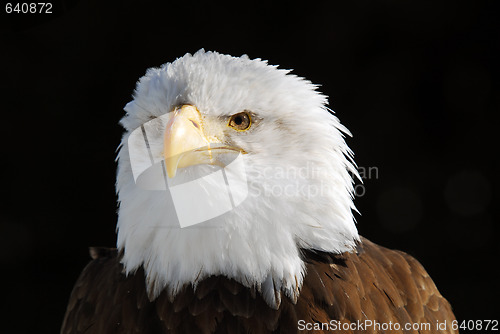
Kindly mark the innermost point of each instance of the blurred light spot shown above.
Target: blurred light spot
(399, 209)
(16, 241)
(467, 193)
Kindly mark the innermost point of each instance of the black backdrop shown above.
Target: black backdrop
(416, 83)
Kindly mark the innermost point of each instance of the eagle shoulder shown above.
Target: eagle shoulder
(373, 283)
(105, 300)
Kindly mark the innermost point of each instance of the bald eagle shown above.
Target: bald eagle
(279, 254)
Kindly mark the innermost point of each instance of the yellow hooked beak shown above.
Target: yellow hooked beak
(186, 142)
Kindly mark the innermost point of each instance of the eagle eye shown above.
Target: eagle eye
(240, 121)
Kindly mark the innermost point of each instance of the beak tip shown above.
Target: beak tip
(171, 167)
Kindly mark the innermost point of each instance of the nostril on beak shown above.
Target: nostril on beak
(196, 125)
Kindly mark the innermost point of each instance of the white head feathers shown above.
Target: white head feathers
(298, 168)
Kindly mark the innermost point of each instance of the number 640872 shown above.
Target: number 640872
(29, 8)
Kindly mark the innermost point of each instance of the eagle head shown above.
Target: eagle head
(243, 125)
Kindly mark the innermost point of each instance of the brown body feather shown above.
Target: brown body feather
(373, 283)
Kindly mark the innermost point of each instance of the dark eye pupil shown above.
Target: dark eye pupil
(240, 121)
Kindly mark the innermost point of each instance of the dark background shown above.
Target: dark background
(416, 83)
